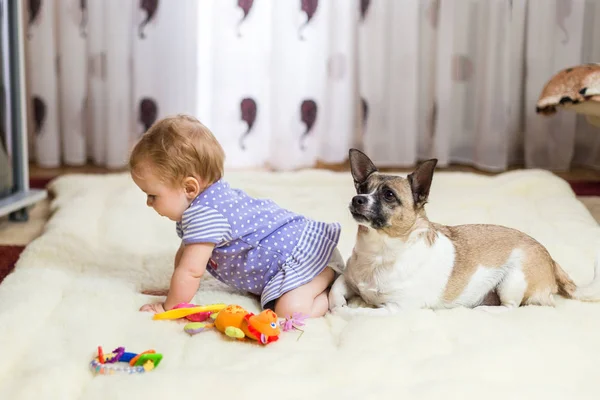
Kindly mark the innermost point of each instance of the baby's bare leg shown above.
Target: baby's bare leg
(309, 299)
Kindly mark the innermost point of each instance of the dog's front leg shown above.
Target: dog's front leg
(339, 294)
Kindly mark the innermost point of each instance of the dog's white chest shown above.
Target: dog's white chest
(411, 276)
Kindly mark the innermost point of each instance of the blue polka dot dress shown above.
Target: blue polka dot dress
(260, 247)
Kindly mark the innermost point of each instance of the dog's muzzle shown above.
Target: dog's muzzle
(359, 201)
(359, 207)
(365, 211)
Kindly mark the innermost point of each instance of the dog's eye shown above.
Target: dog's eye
(389, 195)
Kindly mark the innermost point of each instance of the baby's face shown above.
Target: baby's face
(166, 200)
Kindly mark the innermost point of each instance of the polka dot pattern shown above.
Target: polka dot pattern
(257, 242)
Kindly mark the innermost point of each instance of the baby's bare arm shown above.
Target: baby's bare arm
(178, 255)
(186, 277)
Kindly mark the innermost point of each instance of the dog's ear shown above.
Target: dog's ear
(361, 166)
(420, 181)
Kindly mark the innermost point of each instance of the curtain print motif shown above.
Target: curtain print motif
(364, 8)
(365, 113)
(84, 18)
(150, 7)
(77, 12)
(97, 65)
(433, 14)
(310, 8)
(308, 115)
(462, 68)
(246, 6)
(34, 11)
(39, 114)
(563, 11)
(433, 119)
(148, 112)
(248, 114)
(432, 17)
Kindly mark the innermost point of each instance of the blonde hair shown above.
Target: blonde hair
(177, 147)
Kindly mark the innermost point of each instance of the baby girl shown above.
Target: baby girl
(248, 243)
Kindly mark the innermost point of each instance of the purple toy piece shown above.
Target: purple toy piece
(118, 352)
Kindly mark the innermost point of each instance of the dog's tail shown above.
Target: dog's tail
(568, 288)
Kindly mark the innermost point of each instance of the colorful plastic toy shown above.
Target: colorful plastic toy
(183, 311)
(111, 363)
(238, 323)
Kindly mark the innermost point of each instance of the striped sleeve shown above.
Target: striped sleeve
(204, 225)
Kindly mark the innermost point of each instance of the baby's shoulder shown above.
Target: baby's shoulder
(236, 202)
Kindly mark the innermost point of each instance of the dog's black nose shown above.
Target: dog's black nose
(359, 201)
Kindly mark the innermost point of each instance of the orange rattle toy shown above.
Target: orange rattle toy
(238, 323)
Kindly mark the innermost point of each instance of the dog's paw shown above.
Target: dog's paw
(337, 309)
(337, 302)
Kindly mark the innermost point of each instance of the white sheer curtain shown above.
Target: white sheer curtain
(277, 79)
(284, 83)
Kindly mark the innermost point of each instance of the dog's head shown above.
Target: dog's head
(388, 203)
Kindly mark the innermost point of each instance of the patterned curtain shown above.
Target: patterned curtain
(284, 83)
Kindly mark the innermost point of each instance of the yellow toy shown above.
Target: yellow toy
(177, 313)
(236, 322)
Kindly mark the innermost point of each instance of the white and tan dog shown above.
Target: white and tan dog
(403, 261)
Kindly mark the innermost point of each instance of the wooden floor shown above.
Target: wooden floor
(38, 172)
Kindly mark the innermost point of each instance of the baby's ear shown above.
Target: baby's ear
(191, 186)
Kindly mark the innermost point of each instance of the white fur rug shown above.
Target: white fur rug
(77, 287)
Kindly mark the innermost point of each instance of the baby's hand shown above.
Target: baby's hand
(155, 308)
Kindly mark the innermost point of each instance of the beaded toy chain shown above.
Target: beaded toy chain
(111, 363)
